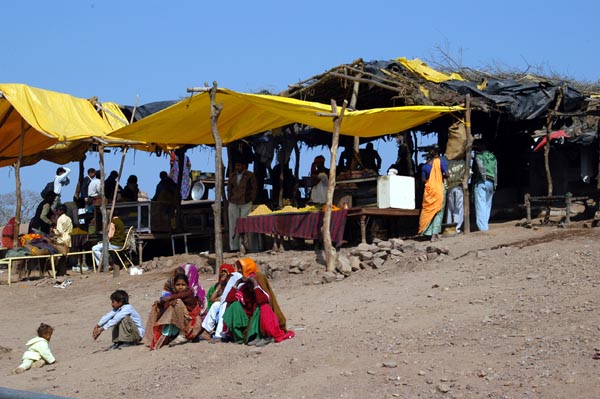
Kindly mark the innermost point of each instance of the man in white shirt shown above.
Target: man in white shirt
(61, 179)
(94, 189)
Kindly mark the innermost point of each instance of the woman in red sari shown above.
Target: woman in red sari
(253, 314)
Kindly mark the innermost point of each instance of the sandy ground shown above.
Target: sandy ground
(510, 314)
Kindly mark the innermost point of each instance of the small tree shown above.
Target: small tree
(8, 203)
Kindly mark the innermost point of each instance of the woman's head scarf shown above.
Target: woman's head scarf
(248, 266)
(170, 283)
(192, 274)
(227, 267)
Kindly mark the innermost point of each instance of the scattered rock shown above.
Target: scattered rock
(366, 255)
(390, 365)
(328, 277)
(355, 263)
(343, 265)
(385, 245)
(443, 388)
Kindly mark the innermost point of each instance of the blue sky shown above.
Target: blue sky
(117, 50)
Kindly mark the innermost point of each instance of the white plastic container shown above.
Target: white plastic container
(396, 192)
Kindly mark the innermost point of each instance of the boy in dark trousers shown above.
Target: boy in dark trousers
(127, 323)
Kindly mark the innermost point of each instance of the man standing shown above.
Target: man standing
(62, 237)
(85, 184)
(485, 171)
(61, 179)
(241, 192)
(94, 189)
(454, 194)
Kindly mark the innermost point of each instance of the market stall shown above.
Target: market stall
(305, 225)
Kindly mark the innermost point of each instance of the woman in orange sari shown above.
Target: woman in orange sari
(432, 211)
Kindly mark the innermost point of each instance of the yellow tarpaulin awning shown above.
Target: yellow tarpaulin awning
(420, 68)
(48, 118)
(188, 122)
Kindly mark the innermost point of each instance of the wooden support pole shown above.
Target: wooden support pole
(353, 100)
(80, 177)
(215, 111)
(297, 167)
(19, 195)
(465, 180)
(113, 202)
(328, 248)
(105, 221)
(549, 120)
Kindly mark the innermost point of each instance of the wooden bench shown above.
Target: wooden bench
(9, 261)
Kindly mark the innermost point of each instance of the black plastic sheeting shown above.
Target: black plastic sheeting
(145, 110)
(520, 101)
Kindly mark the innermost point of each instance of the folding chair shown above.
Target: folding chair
(127, 247)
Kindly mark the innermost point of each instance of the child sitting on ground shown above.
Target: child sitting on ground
(127, 323)
(38, 350)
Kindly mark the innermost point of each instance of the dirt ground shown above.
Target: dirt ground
(509, 314)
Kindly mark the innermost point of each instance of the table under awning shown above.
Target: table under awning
(298, 225)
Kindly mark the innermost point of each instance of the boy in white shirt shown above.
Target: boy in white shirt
(127, 323)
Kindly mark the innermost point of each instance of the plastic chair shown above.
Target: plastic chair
(127, 247)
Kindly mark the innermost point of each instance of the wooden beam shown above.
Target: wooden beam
(105, 221)
(467, 175)
(215, 112)
(328, 248)
(19, 195)
(549, 119)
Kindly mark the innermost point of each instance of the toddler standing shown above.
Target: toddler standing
(38, 350)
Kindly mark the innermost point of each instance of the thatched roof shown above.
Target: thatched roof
(500, 103)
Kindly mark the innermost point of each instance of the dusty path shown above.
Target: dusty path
(511, 314)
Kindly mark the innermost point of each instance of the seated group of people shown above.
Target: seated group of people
(241, 307)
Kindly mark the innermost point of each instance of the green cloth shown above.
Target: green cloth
(209, 294)
(170, 330)
(242, 329)
(236, 320)
(435, 226)
(253, 332)
(119, 238)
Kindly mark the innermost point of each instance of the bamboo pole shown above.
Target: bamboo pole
(296, 168)
(330, 252)
(180, 152)
(280, 159)
(80, 177)
(559, 96)
(353, 100)
(465, 180)
(19, 195)
(114, 200)
(105, 221)
(215, 111)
